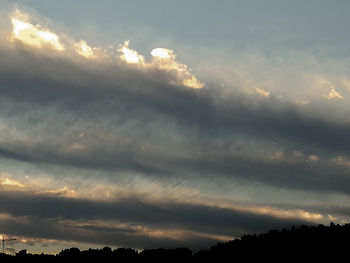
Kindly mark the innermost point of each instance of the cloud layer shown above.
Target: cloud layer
(139, 223)
(79, 115)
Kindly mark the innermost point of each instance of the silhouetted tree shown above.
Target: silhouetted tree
(311, 243)
(70, 252)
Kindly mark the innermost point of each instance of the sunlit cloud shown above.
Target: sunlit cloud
(75, 147)
(313, 158)
(6, 181)
(129, 55)
(332, 218)
(277, 155)
(34, 186)
(162, 59)
(177, 234)
(11, 182)
(297, 154)
(62, 191)
(302, 102)
(333, 94)
(34, 35)
(192, 82)
(346, 83)
(162, 53)
(262, 92)
(310, 216)
(279, 213)
(339, 160)
(86, 132)
(83, 49)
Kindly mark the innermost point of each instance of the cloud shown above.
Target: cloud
(137, 221)
(120, 120)
(341, 161)
(130, 56)
(32, 35)
(83, 49)
(313, 158)
(262, 92)
(56, 234)
(63, 191)
(6, 181)
(332, 218)
(132, 117)
(162, 59)
(333, 94)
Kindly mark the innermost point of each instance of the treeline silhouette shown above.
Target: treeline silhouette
(296, 244)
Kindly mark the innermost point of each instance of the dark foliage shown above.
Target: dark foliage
(296, 244)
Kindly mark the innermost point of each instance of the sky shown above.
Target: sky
(151, 124)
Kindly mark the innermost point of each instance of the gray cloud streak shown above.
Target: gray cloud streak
(54, 211)
(139, 94)
(35, 227)
(48, 95)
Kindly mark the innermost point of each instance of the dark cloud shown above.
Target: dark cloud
(290, 173)
(112, 90)
(17, 156)
(108, 125)
(118, 119)
(61, 218)
(55, 229)
(155, 128)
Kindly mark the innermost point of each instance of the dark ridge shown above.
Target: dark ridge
(297, 244)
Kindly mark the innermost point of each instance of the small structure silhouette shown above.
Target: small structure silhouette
(3, 240)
